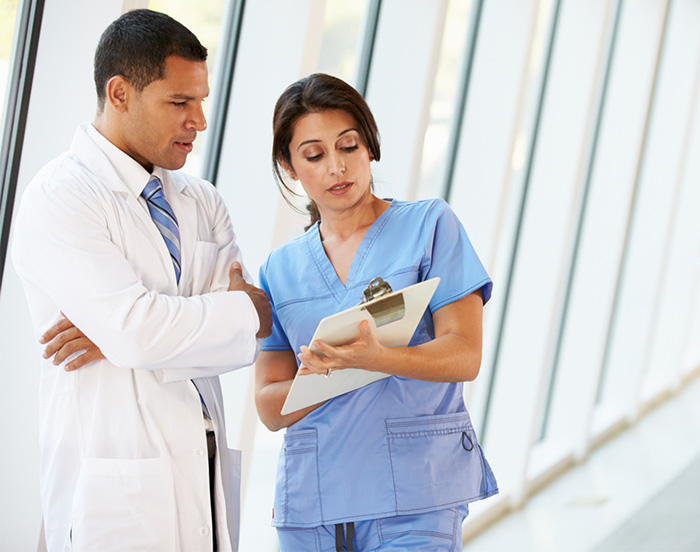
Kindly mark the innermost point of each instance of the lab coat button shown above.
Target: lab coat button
(199, 452)
(204, 530)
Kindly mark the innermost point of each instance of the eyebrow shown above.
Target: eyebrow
(184, 97)
(313, 141)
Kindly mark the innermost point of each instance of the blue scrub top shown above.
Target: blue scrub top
(396, 446)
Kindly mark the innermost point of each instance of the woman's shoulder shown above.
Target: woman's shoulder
(433, 205)
(425, 210)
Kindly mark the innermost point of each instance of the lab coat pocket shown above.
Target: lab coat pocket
(124, 504)
(300, 473)
(202, 269)
(437, 461)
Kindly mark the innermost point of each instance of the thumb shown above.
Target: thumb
(235, 271)
(365, 329)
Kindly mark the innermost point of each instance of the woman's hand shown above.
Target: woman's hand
(63, 339)
(454, 354)
(364, 353)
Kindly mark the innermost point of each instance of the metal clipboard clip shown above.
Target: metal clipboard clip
(386, 310)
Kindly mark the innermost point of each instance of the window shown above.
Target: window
(8, 12)
(342, 26)
(204, 19)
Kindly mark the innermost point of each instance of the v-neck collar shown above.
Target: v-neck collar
(325, 267)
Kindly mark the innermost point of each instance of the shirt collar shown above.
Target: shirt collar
(130, 171)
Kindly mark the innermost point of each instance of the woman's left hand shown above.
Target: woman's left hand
(364, 353)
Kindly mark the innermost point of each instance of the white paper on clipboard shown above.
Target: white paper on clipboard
(343, 328)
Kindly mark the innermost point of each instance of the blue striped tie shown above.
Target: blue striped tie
(162, 214)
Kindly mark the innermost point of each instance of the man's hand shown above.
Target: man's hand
(257, 296)
(63, 339)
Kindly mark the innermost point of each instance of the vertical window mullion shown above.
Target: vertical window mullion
(18, 94)
(458, 119)
(224, 86)
(508, 284)
(365, 62)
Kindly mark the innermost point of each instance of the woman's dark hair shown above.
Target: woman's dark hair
(313, 94)
(135, 46)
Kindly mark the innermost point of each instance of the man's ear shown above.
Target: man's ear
(118, 91)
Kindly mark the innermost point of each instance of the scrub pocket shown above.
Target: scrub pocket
(299, 474)
(440, 530)
(124, 504)
(436, 461)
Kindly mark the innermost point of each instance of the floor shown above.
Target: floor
(638, 492)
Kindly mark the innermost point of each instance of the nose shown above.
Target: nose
(197, 119)
(336, 165)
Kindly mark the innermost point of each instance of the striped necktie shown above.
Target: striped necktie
(166, 221)
(162, 214)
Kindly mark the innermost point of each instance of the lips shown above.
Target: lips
(185, 146)
(340, 189)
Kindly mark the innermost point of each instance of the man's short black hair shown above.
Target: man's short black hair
(135, 46)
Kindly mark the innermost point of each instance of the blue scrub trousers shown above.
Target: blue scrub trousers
(435, 531)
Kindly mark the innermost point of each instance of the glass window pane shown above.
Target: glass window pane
(204, 19)
(342, 38)
(8, 13)
(442, 110)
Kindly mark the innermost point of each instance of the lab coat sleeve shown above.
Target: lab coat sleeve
(63, 248)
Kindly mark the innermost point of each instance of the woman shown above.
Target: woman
(392, 465)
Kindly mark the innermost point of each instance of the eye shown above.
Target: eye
(179, 104)
(348, 149)
(314, 158)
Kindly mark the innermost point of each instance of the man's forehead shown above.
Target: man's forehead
(184, 78)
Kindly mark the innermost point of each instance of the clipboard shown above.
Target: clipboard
(393, 316)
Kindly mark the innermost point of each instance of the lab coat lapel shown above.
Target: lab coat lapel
(155, 237)
(97, 162)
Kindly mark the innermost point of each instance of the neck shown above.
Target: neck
(110, 129)
(341, 225)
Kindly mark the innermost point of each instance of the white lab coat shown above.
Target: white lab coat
(123, 447)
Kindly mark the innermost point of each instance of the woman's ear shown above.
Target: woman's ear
(288, 168)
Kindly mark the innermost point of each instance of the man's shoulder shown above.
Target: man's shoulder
(65, 171)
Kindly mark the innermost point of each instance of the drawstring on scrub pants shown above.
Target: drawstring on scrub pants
(349, 534)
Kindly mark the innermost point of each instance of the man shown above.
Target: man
(142, 259)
